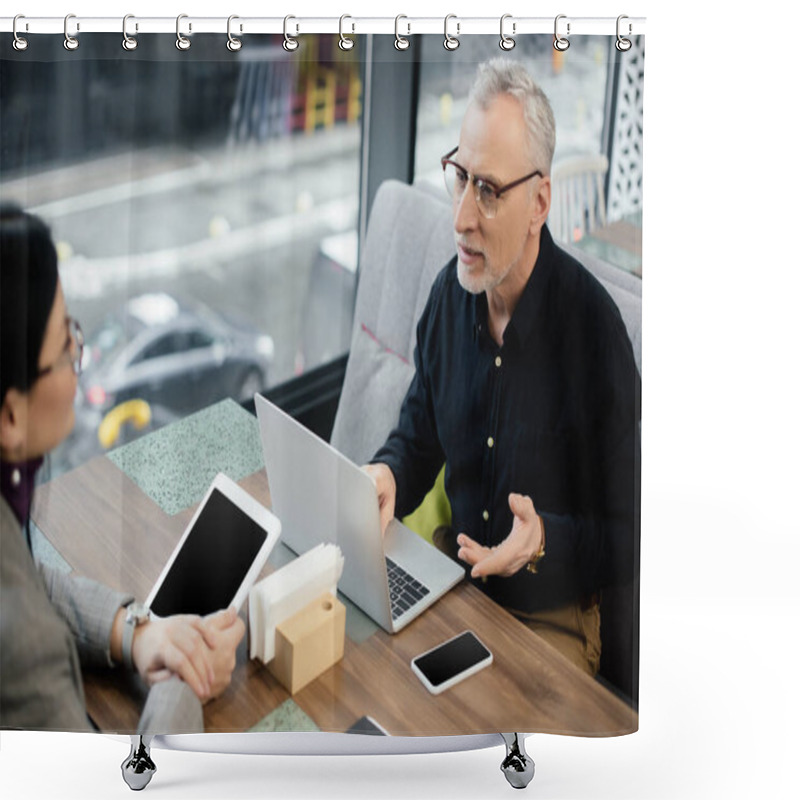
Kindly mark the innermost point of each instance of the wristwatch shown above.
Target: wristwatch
(136, 614)
(533, 564)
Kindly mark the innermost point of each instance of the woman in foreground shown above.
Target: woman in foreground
(53, 623)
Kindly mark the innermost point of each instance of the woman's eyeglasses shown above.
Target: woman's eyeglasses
(72, 352)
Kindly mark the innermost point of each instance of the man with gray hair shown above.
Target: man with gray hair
(525, 388)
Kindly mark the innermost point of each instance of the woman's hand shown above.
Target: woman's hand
(175, 645)
(199, 650)
(227, 630)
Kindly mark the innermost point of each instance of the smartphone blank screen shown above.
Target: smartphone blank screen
(451, 658)
(213, 561)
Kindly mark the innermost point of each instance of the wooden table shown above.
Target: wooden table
(108, 529)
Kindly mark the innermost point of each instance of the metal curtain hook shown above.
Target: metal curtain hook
(506, 42)
(128, 42)
(451, 42)
(289, 44)
(622, 44)
(233, 44)
(70, 42)
(182, 43)
(344, 42)
(400, 42)
(561, 43)
(19, 43)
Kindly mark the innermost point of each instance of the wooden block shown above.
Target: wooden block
(308, 643)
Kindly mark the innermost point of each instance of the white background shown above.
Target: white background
(720, 554)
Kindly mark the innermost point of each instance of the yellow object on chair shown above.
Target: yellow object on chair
(432, 512)
(135, 411)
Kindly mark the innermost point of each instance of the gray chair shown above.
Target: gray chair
(409, 239)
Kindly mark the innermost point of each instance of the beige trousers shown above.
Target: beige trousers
(573, 630)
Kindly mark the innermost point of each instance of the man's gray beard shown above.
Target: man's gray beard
(486, 282)
(461, 275)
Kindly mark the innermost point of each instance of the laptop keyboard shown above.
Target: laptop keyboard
(404, 590)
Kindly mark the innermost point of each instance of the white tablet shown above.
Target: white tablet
(220, 555)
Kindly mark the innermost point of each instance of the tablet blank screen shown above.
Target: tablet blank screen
(213, 562)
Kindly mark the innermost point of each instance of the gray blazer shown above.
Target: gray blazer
(51, 624)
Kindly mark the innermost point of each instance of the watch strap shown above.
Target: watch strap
(127, 642)
(136, 614)
(533, 565)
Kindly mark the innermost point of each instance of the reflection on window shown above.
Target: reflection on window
(194, 199)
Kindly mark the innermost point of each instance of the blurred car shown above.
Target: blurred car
(175, 355)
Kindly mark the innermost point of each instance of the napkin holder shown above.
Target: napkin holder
(308, 643)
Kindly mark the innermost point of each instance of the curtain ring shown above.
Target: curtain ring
(451, 42)
(233, 44)
(561, 43)
(70, 42)
(289, 44)
(128, 42)
(182, 43)
(506, 42)
(344, 42)
(19, 43)
(622, 44)
(400, 42)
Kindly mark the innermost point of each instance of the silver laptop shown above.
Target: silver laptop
(321, 496)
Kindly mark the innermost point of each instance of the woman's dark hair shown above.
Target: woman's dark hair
(28, 280)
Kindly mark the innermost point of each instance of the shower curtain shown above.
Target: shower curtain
(210, 207)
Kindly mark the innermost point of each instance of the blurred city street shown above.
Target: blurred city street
(206, 186)
(234, 229)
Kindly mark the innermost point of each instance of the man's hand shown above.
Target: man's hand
(387, 489)
(200, 651)
(515, 551)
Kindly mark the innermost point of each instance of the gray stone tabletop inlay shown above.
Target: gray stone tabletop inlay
(287, 717)
(175, 465)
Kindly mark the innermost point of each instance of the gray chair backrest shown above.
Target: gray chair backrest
(409, 239)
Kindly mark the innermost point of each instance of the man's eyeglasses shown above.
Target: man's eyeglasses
(487, 195)
(72, 352)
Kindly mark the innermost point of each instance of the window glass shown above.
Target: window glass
(574, 82)
(165, 346)
(198, 340)
(596, 97)
(212, 184)
(107, 341)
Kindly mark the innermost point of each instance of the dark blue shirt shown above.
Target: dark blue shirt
(553, 413)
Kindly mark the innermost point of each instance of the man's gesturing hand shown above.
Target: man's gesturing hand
(515, 551)
(387, 489)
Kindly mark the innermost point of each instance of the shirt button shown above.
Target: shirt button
(490, 442)
(498, 361)
(485, 516)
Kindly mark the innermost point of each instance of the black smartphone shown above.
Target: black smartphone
(451, 662)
